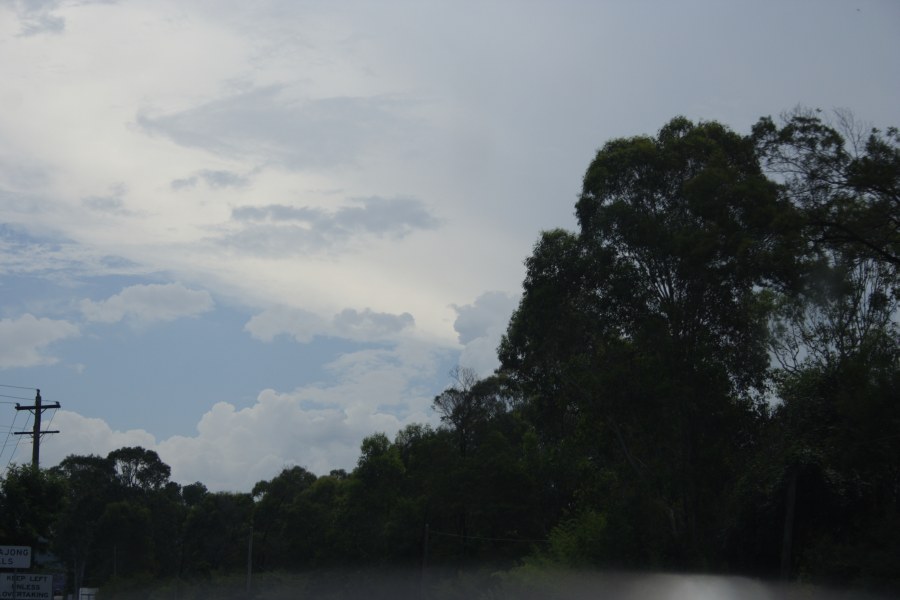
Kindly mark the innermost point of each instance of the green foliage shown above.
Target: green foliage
(30, 500)
(216, 534)
(846, 180)
(139, 469)
(640, 342)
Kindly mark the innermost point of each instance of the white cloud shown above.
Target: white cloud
(480, 326)
(370, 325)
(300, 324)
(317, 426)
(85, 435)
(279, 123)
(153, 302)
(279, 230)
(362, 326)
(25, 338)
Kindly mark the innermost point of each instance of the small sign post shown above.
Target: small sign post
(26, 585)
(15, 557)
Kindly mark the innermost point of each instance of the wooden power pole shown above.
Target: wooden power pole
(36, 433)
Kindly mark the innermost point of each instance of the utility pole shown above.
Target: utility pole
(36, 433)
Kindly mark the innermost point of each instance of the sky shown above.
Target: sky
(248, 235)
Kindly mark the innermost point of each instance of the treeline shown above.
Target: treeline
(704, 377)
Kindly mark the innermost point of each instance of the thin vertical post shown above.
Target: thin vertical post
(424, 563)
(250, 558)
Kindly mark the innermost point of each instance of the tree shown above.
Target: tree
(467, 404)
(640, 341)
(271, 513)
(193, 493)
(216, 532)
(124, 536)
(30, 502)
(846, 181)
(374, 505)
(139, 469)
(835, 338)
(90, 482)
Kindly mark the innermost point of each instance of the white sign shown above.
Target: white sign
(15, 557)
(25, 586)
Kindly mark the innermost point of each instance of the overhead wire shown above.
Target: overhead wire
(12, 426)
(18, 439)
(50, 422)
(16, 387)
(8, 433)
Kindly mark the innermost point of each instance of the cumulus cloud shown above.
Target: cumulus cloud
(316, 426)
(25, 339)
(147, 303)
(86, 435)
(369, 325)
(300, 324)
(363, 326)
(480, 326)
(280, 229)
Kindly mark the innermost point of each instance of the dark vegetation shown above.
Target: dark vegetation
(703, 378)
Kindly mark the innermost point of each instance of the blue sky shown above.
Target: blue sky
(248, 235)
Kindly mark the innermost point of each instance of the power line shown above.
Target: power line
(16, 447)
(8, 433)
(16, 397)
(15, 387)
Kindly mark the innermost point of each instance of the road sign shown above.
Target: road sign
(26, 586)
(15, 557)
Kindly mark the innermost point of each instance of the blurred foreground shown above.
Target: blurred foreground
(518, 584)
